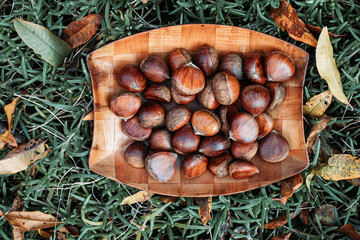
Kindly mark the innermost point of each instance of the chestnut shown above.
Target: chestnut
(279, 67)
(207, 60)
(253, 68)
(131, 79)
(181, 99)
(135, 154)
(155, 68)
(177, 117)
(126, 105)
(265, 122)
(160, 139)
(194, 165)
(226, 114)
(206, 97)
(244, 151)
(161, 165)
(158, 92)
(188, 79)
(232, 63)
(243, 128)
(214, 146)
(205, 122)
(178, 58)
(151, 114)
(277, 94)
(241, 169)
(133, 130)
(185, 140)
(219, 165)
(274, 147)
(226, 88)
(255, 99)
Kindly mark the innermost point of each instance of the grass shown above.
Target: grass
(57, 100)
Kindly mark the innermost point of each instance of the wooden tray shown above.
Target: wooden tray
(109, 142)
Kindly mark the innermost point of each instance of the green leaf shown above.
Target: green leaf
(51, 48)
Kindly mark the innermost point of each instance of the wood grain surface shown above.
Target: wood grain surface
(109, 142)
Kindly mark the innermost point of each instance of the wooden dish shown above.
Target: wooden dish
(109, 142)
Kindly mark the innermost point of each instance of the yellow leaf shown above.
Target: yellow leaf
(89, 117)
(10, 110)
(339, 167)
(317, 105)
(140, 196)
(205, 204)
(326, 66)
(315, 130)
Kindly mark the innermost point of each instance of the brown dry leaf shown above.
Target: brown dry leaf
(289, 186)
(350, 231)
(317, 105)
(285, 236)
(10, 110)
(318, 30)
(61, 236)
(339, 167)
(45, 234)
(317, 128)
(80, 32)
(205, 204)
(167, 199)
(282, 220)
(304, 216)
(324, 155)
(286, 18)
(89, 117)
(7, 138)
(17, 206)
(22, 157)
(140, 196)
(327, 68)
(355, 181)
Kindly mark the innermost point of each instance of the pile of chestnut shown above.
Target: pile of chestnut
(209, 112)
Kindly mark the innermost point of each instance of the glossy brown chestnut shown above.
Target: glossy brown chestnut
(188, 79)
(133, 130)
(194, 165)
(265, 122)
(155, 68)
(219, 165)
(207, 60)
(181, 99)
(131, 79)
(160, 139)
(158, 92)
(206, 97)
(241, 169)
(253, 68)
(243, 128)
(279, 67)
(185, 140)
(255, 99)
(274, 147)
(177, 117)
(205, 122)
(214, 146)
(126, 105)
(244, 151)
(151, 114)
(178, 58)
(135, 154)
(226, 88)
(277, 94)
(232, 63)
(226, 114)
(161, 165)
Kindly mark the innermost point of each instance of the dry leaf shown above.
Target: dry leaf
(22, 157)
(140, 196)
(318, 30)
(17, 206)
(18, 234)
(289, 186)
(7, 138)
(304, 216)
(80, 32)
(10, 110)
(89, 117)
(285, 236)
(205, 204)
(325, 214)
(324, 155)
(317, 105)
(45, 234)
(286, 18)
(350, 231)
(355, 181)
(317, 128)
(167, 199)
(339, 167)
(282, 220)
(327, 68)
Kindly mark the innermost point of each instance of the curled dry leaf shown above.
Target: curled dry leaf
(317, 128)
(7, 137)
(205, 204)
(79, 32)
(286, 18)
(89, 117)
(282, 220)
(285, 236)
(317, 105)
(289, 186)
(327, 68)
(140, 196)
(318, 30)
(350, 231)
